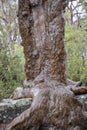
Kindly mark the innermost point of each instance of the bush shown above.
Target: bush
(76, 47)
(11, 70)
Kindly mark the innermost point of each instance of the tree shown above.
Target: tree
(54, 106)
(76, 11)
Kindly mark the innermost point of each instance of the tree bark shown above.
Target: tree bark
(41, 26)
(54, 106)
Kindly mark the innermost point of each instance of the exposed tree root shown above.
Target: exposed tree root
(76, 87)
(54, 107)
(79, 91)
(73, 83)
(29, 90)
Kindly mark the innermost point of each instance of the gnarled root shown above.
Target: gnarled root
(79, 91)
(54, 107)
(73, 83)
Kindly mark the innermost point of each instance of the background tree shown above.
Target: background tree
(11, 54)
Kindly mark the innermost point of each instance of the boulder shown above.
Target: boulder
(9, 109)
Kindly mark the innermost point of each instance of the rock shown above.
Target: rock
(83, 99)
(9, 109)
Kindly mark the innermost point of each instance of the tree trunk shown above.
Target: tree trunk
(41, 24)
(54, 106)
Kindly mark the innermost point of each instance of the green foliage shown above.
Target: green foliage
(76, 40)
(11, 70)
(11, 53)
(76, 46)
